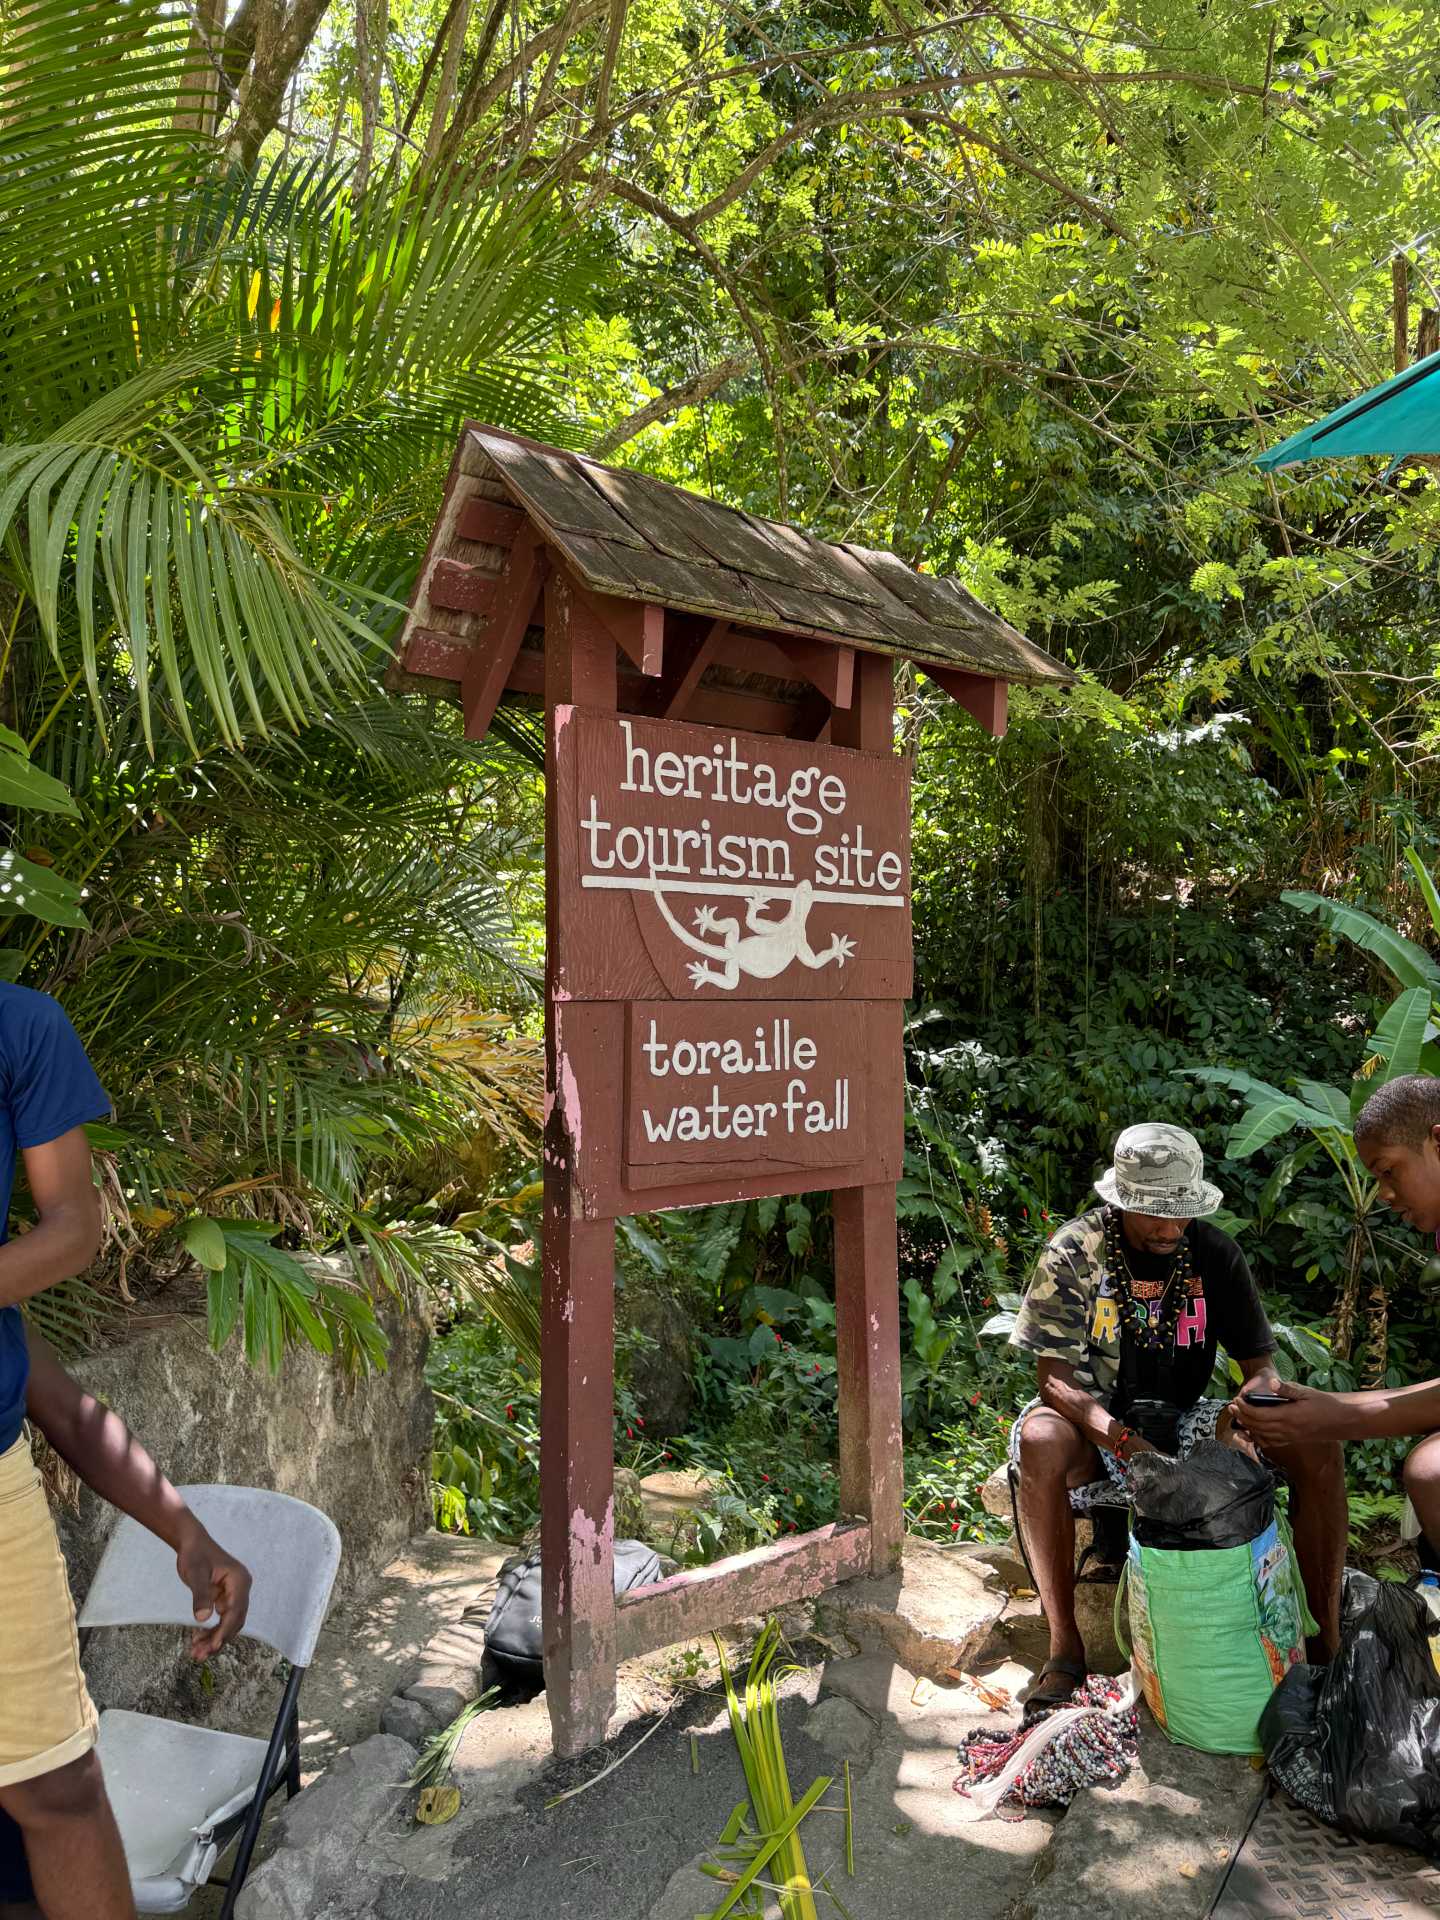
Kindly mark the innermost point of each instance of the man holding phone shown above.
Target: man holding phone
(1397, 1135)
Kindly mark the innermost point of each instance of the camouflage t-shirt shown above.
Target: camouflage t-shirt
(1072, 1312)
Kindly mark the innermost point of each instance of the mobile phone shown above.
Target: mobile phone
(1265, 1399)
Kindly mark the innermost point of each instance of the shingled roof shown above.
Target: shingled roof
(636, 538)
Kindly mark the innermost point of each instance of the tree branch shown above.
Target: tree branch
(687, 393)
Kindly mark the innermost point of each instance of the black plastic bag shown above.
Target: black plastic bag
(1214, 1497)
(513, 1635)
(1358, 1742)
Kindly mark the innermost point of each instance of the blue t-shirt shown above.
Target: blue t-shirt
(47, 1086)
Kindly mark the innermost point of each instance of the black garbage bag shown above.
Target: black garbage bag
(1214, 1497)
(1358, 1742)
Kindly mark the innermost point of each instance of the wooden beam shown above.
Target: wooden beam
(867, 1353)
(462, 588)
(528, 673)
(680, 683)
(486, 520)
(636, 626)
(985, 698)
(700, 1599)
(812, 716)
(494, 652)
(829, 668)
(867, 1295)
(436, 656)
(577, 1306)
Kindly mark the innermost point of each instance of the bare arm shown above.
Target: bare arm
(1383, 1413)
(1060, 1393)
(67, 1236)
(111, 1461)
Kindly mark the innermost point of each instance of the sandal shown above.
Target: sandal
(1064, 1678)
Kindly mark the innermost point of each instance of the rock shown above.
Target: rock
(840, 1729)
(660, 1376)
(409, 1720)
(357, 1449)
(937, 1612)
(995, 1495)
(629, 1505)
(321, 1831)
(671, 1503)
(1158, 1842)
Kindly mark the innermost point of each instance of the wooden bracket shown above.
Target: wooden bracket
(980, 695)
(828, 667)
(687, 670)
(516, 595)
(636, 626)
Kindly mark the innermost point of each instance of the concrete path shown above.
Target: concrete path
(630, 1846)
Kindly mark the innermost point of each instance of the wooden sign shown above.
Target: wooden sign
(700, 864)
(730, 947)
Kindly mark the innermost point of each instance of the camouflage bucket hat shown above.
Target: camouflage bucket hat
(1159, 1170)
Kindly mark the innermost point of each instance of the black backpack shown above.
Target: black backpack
(513, 1636)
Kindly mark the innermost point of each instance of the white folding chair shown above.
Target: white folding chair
(182, 1794)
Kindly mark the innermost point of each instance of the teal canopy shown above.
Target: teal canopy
(1400, 416)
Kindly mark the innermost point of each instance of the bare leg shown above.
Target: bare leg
(1054, 1456)
(1319, 1517)
(1422, 1483)
(76, 1860)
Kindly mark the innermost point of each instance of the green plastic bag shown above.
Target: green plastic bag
(1213, 1633)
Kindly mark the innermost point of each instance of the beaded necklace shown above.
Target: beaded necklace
(1152, 1307)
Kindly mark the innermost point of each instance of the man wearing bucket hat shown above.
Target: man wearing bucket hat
(1128, 1305)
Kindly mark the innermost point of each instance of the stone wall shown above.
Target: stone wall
(357, 1449)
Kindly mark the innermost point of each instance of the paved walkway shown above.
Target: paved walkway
(630, 1846)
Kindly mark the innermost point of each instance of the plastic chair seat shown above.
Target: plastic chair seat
(174, 1788)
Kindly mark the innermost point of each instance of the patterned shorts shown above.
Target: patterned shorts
(1196, 1424)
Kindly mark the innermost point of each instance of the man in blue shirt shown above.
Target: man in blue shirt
(50, 1781)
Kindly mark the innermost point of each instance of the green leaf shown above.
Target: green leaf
(1262, 1123)
(1400, 1036)
(1411, 965)
(26, 786)
(39, 891)
(1427, 887)
(205, 1242)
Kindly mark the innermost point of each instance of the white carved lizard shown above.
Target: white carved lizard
(770, 947)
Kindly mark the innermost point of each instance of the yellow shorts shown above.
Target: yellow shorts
(46, 1717)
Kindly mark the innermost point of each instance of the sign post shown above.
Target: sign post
(728, 948)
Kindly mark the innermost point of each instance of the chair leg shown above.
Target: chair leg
(292, 1751)
(268, 1774)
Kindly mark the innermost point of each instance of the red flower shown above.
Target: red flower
(954, 1526)
(629, 1433)
(667, 1455)
(638, 1421)
(766, 1478)
(974, 1399)
(509, 1413)
(776, 1332)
